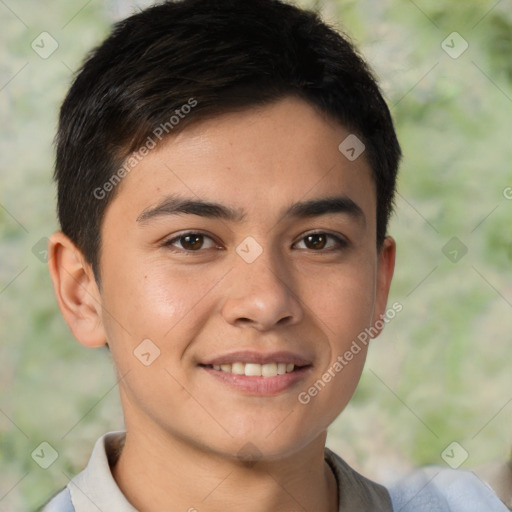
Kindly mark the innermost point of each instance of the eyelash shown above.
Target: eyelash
(340, 242)
(168, 243)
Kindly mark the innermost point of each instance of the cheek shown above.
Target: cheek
(156, 302)
(343, 300)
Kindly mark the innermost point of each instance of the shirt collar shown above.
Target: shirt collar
(94, 489)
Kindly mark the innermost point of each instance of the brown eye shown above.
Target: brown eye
(321, 242)
(315, 241)
(192, 242)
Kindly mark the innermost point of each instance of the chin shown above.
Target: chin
(254, 445)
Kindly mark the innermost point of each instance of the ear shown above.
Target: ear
(385, 269)
(77, 293)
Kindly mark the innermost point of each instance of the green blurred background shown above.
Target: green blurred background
(441, 371)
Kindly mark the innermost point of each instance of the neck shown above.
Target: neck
(158, 472)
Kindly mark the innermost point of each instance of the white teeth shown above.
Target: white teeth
(269, 370)
(255, 369)
(281, 368)
(238, 368)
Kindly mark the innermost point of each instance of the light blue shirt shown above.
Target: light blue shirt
(436, 489)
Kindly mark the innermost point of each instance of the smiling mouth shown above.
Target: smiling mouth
(255, 369)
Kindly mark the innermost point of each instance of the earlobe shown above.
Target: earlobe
(385, 270)
(76, 290)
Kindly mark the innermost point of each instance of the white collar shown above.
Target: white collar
(94, 489)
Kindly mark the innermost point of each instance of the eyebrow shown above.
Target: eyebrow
(324, 206)
(176, 205)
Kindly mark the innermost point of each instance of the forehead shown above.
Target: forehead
(260, 159)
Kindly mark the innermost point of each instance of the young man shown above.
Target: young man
(226, 172)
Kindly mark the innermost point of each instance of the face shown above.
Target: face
(244, 249)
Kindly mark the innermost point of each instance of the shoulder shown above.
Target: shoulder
(356, 492)
(95, 484)
(61, 502)
(435, 489)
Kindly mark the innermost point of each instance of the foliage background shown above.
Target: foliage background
(441, 370)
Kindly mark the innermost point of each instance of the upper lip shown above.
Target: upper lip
(259, 358)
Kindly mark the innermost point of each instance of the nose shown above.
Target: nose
(261, 296)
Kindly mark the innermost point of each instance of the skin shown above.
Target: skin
(185, 428)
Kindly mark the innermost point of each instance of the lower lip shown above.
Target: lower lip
(261, 386)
